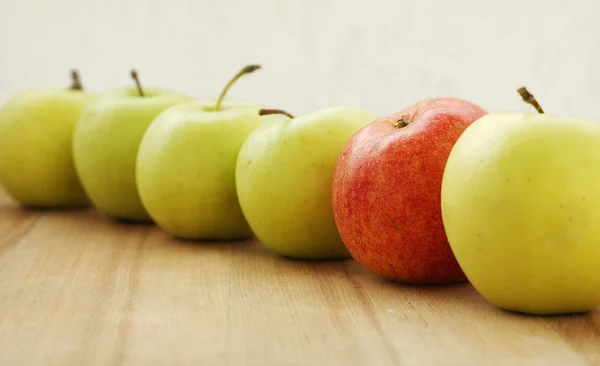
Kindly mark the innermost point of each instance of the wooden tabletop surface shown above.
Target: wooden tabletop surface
(77, 289)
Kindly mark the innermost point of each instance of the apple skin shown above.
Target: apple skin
(36, 164)
(105, 146)
(283, 178)
(386, 192)
(186, 169)
(521, 207)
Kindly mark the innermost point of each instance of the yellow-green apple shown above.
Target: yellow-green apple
(36, 131)
(106, 142)
(283, 178)
(386, 191)
(521, 208)
(186, 167)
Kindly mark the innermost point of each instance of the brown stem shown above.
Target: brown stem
(246, 70)
(402, 122)
(529, 98)
(266, 112)
(135, 78)
(75, 81)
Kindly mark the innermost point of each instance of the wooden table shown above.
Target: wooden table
(77, 289)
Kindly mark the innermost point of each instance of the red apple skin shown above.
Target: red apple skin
(386, 192)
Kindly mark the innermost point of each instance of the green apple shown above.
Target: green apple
(521, 207)
(36, 130)
(186, 167)
(284, 174)
(106, 142)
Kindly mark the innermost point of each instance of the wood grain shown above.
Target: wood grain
(77, 289)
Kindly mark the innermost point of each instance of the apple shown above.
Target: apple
(521, 207)
(386, 191)
(283, 179)
(106, 142)
(36, 130)
(186, 167)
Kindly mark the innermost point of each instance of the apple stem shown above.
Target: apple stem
(266, 112)
(529, 98)
(402, 122)
(135, 78)
(75, 81)
(246, 70)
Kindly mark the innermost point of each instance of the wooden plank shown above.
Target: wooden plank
(77, 289)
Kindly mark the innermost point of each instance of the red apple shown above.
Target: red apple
(386, 191)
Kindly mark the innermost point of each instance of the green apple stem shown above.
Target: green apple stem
(75, 81)
(135, 78)
(266, 112)
(529, 98)
(246, 70)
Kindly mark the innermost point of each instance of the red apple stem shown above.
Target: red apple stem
(402, 122)
(246, 70)
(529, 99)
(135, 78)
(75, 80)
(266, 112)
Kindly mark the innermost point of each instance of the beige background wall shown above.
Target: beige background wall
(378, 54)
